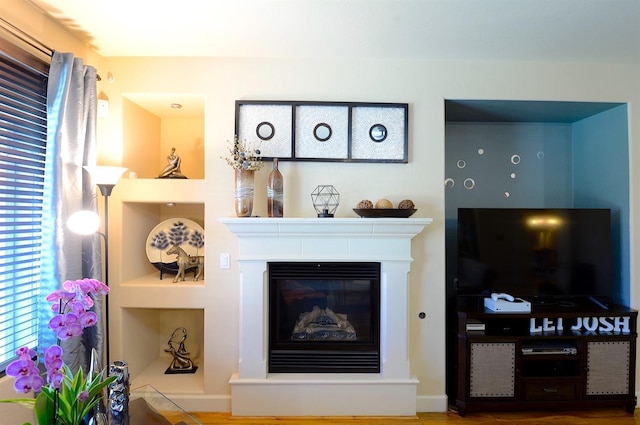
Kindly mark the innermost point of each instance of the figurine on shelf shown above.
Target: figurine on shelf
(185, 262)
(181, 362)
(172, 170)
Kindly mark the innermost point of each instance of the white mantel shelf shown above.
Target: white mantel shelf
(291, 239)
(325, 226)
(255, 391)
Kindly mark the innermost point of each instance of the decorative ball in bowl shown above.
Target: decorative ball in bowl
(384, 208)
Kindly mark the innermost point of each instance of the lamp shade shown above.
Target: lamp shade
(103, 174)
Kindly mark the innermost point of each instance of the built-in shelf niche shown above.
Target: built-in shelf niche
(518, 153)
(138, 220)
(151, 127)
(148, 331)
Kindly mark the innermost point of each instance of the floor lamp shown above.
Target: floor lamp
(88, 222)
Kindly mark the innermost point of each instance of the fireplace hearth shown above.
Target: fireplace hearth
(324, 317)
(257, 389)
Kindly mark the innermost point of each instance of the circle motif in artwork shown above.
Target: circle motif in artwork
(378, 133)
(322, 132)
(265, 130)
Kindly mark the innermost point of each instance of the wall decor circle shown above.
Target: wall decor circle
(469, 183)
(322, 132)
(185, 233)
(378, 133)
(515, 159)
(449, 183)
(265, 130)
(461, 163)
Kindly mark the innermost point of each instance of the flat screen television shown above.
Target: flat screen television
(536, 254)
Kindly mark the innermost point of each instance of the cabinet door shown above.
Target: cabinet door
(608, 367)
(492, 368)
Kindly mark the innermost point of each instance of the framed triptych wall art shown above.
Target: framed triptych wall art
(326, 131)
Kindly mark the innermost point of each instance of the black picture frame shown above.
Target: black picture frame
(350, 131)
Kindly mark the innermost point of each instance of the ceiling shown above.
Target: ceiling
(557, 30)
(161, 104)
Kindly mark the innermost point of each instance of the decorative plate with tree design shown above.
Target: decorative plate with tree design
(185, 233)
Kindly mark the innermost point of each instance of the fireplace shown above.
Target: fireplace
(388, 390)
(324, 317)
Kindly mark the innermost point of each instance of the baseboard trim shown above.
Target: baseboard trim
(202, 403)
(436, 403)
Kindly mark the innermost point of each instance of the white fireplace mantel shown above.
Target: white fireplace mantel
(255, 391)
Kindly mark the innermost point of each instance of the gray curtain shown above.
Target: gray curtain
(71, 143)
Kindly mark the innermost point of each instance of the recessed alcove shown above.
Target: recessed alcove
(138, 220)
(145, 341)
(536, 154)
(153, 123)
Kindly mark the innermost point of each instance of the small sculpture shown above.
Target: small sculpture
(186, 261)
(172, 170)
(181, 362)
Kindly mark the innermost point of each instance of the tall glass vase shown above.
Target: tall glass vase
(275, 192)
(244, 192)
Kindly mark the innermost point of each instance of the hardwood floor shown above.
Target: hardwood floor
(587, 417)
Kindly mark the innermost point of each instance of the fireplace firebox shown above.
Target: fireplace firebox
(324, 317)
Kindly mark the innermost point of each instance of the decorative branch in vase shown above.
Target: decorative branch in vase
(68, 398)
(245, 160)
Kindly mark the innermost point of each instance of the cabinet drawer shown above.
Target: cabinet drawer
(550, 389)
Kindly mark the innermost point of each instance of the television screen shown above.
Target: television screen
(534, 254)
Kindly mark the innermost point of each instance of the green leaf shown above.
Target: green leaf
(43, 409)
(26, 402)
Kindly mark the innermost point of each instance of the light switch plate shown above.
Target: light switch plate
(224, 260)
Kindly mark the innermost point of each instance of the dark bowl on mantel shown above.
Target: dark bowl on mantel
(384, 212)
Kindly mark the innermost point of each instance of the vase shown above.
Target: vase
(118, 394)
(98, 415)
(244, 192)
(275, 192)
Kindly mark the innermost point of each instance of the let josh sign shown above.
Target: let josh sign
(618, 325)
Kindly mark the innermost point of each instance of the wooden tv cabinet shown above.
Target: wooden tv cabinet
(557, 356)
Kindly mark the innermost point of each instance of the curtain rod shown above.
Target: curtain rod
(28, 39)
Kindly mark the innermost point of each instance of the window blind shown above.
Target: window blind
(23, 138)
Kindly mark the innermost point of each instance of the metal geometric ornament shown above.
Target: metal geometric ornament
(325, 200)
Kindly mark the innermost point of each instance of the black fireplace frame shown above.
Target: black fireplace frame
(324, 356)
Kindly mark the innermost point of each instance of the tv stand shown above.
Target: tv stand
(551, 358)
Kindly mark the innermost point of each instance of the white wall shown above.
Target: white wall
(12, 413)
(424, 85)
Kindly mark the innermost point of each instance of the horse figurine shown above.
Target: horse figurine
(185, 261)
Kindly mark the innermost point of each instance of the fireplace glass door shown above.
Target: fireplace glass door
(324, 317)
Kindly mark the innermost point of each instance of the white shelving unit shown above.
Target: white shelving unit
(144, 309)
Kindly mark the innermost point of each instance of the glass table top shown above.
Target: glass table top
(149, 406)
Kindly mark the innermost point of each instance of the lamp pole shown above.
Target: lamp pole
(105, 177)
(105, 190)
